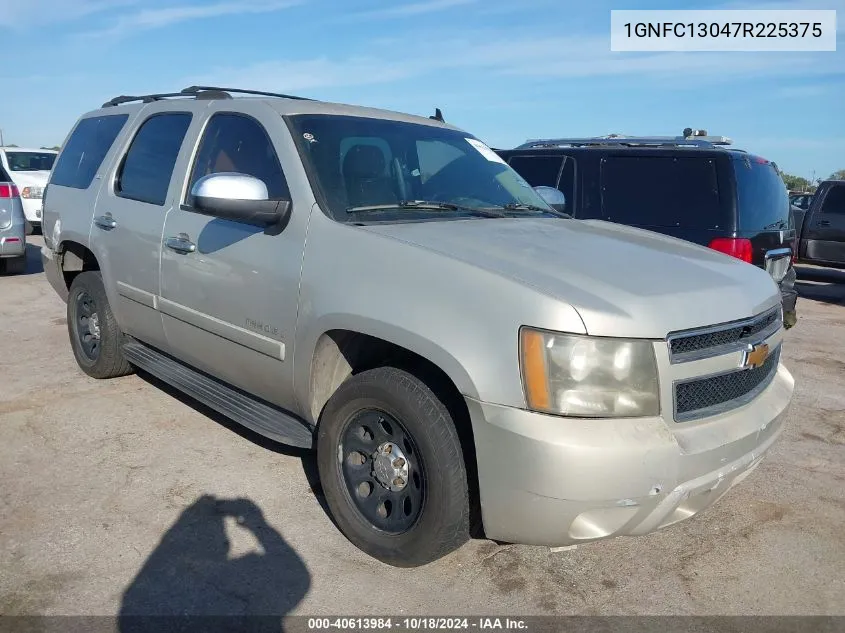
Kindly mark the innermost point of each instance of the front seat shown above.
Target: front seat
(365, 177)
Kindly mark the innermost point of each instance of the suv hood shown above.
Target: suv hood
(623, 281)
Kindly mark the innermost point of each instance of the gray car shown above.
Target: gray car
(384, 288)
(12, 227)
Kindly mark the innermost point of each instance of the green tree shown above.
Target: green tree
(837, 175)
(795, 183)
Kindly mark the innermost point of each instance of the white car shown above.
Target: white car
(29, 170)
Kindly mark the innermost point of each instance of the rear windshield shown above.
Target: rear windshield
(762, 199)
(30, 161)
(662, 191)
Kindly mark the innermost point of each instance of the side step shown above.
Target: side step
(255, 414)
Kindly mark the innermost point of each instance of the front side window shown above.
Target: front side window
(406, 170)
(85, 150)
(238, 143)
(834, 201)
(30, 161)
(148, 166)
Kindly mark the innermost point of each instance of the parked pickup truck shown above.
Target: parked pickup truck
(384, 288)
(821, 227)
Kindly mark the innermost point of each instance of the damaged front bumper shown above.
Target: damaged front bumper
(546, 480)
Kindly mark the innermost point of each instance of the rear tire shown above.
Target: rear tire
(14, 265)
(392, 418)
(94, 334)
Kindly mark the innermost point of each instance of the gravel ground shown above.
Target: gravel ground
(103, 483)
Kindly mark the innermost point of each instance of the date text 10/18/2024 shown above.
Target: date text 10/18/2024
(417, 624)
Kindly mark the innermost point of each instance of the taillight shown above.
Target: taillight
(738, 247)
(8, 190)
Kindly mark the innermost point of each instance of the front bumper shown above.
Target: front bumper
(546, 480)
(53, 272)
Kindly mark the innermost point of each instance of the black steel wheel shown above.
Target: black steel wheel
(392, 468)
(94, 334)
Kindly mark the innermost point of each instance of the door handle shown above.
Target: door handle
(824, 223)
(105, 222)
(181, 244)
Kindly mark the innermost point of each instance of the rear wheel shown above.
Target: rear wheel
(94, 334)
(392, 469)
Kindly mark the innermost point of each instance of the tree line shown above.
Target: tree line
(799, 183)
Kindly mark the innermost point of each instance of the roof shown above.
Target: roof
(27, 149)
(284, 104)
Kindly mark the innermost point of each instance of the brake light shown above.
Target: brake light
(738, 247)
(8, 190)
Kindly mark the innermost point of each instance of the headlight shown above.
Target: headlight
(584, 376)
(32, 192)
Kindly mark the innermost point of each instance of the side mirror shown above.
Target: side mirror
(238, 197)
(552, 197)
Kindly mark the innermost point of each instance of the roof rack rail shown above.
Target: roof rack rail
(197, 90)
(631, 141)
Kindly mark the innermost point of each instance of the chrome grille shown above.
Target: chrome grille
(722, 339)
(701, 397)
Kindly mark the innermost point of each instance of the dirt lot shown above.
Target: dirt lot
(112, 497)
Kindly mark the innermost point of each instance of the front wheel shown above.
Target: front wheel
(392, 468)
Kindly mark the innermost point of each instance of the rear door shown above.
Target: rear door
(130, 212)
(824, 228)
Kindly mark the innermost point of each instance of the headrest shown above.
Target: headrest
(363, 161)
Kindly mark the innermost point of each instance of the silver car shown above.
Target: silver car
(12, 227)
(383, 288)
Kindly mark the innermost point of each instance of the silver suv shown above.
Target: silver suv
(383, 287)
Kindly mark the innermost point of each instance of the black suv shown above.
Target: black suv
(692, 188)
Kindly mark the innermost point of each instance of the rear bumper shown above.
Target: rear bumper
(32, 210)
(546, 480)
(13, 242)
(53, 272)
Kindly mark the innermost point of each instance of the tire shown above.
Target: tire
(14, 265)
(97, 351)
(426, 519)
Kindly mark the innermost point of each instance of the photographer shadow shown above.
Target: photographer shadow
(193, 582)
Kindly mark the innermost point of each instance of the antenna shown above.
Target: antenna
(438, 115)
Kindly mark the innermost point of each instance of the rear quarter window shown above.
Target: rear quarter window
(762, 198)
(662, 191)
(85, 150)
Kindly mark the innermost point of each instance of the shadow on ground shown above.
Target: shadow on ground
(193, 582)
(821, 284)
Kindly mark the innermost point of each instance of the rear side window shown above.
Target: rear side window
(662, 191)
(834, 201)
(148, 166)
(762, 199)
(85, 150)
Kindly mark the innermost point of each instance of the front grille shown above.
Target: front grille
(691, 345)
(701, 397)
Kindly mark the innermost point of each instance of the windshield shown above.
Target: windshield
(375, 169)
(761, 195)
(30, 161)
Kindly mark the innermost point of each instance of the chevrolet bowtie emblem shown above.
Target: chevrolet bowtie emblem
(755, 356)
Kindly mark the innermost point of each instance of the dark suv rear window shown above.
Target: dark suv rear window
(662, 191)
(85, 150)
(762, 199)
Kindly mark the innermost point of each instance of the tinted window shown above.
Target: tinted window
(662, 191)
(762, 199)
(30, 161)
(148, 166)
(834, 201)
(434, 156)
(85, 150)
(538, 170)
(237, 143)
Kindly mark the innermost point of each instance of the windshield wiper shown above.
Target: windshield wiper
(427, 205)
(519, 206)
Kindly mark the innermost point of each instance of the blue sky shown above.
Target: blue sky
(506, 70)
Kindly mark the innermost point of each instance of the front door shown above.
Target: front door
(229, 291)
(825, 228)
(129, 216)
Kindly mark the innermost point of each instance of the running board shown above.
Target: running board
(252, 413)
